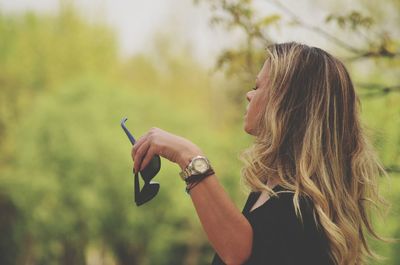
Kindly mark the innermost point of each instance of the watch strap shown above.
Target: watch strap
(186, 173)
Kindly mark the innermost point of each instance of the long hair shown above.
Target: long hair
(310, 138)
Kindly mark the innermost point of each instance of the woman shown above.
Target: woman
(311, 171)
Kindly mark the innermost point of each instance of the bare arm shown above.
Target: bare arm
(227, 229)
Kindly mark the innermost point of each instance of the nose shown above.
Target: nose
(248, 95)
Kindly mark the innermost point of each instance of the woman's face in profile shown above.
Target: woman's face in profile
(256, 102)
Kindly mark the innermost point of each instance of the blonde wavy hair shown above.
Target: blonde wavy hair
(309, 138)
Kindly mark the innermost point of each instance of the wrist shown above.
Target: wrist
(187, 156)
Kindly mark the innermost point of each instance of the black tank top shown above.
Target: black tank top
(279, 238)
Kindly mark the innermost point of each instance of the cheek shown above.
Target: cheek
(258, 111)
(257, 107)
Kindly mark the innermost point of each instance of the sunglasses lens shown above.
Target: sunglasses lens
(148, 192)
(151, 169)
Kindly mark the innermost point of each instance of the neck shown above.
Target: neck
(272, 182)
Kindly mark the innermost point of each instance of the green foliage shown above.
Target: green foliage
(38, 53)
(353, 20)
(67, 171)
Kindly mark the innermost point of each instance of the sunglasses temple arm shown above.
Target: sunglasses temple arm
(131, 139)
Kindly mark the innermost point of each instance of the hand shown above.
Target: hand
(157, 141)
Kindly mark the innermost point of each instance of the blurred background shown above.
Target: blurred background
(70, 70)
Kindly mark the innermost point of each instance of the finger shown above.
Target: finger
(140, 154)
(149, 155)
(137, 145)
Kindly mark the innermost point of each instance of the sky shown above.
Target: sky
(136, 21)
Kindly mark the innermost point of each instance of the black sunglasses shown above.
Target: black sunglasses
(150, 188)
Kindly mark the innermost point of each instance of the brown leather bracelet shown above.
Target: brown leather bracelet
(195, 178)
(190, 186)
(194, 183)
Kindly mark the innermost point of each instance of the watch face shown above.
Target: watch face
(200, 165)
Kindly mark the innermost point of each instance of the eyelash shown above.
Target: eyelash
(254, 88)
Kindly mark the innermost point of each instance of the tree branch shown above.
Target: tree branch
(382, 51)
(378, 89)
(393, 169)
(318, 30)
